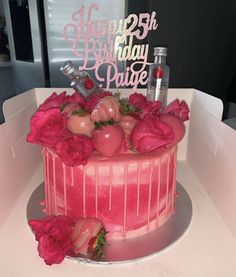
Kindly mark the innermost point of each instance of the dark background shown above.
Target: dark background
(201, 40)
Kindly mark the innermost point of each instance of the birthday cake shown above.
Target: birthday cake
(109, 162)
(110, 158)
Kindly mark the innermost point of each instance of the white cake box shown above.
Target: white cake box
(206, 169)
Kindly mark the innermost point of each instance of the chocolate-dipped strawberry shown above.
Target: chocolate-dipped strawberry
(108, 139)
(107, 109)
(80, 123)
(88, 237)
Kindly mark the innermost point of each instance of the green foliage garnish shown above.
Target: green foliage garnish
(126, 107)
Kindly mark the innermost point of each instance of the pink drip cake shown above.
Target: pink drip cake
(131, 194)
(111, 159)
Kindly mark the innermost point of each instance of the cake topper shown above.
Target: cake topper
(106, 42)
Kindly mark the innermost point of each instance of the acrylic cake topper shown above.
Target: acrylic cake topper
(107, 42)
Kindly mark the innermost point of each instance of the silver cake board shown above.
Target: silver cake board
(127, 250)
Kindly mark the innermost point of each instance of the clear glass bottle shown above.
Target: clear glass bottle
(81, 81)
(158, 77)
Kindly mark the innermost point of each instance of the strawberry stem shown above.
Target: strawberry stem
(100, 243)
(80, 112)
(126, 107)
(101, 124)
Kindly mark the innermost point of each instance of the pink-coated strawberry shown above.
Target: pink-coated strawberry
(107, 109)
(108, 139)
(88, 237)
(127, 123)
(80, 123)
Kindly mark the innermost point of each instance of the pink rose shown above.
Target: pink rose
(75, 149)
(137, 100)
(53, 101)
(151, 133)
(150, 108)
(93, 99)
(53, 236)
(47, 127)
(177, 108)
(76, 98)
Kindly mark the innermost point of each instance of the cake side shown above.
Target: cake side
(131, 194)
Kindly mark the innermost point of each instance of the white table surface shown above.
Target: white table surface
(206, 249)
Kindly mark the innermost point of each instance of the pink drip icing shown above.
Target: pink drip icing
(173, 183)
(149, 194)
(110, 186)
(45, 180)
(84, 192)
(54, 184)
(167, 184)
(138, 189)
(47, 191)
(72, 176)
(158, 192)
(125, 199)
(96, 191)
(64, 187)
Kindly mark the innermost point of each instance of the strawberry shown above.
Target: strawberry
(88, 237)
(108, 139)
(108, 108)
(79, 123)
(127, 123)
(158, 73)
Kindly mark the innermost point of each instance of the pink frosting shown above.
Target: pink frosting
(131, 194)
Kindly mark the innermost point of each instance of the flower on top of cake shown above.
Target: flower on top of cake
(75, 127)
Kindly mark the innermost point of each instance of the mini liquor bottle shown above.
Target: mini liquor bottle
(81, 81)
(158, 77)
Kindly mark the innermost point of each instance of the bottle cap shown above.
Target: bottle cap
(69, 70)
(160, 51)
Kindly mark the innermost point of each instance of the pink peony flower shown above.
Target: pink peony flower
(88, 237)
(47, 127)
(93, 99)
(137, 100)
(178, 108)
(75, 149)
(53, 101)
(53, 236)
(151, 133)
